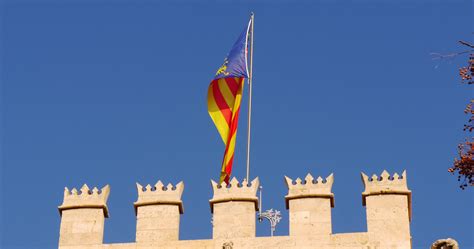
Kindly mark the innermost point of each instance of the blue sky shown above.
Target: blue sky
(114, 92)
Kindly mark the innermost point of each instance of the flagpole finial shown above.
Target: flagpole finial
(251, 13)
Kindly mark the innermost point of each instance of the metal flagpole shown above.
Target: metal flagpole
(250, 98)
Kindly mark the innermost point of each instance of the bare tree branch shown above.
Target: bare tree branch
(439, 56)
(466, 44)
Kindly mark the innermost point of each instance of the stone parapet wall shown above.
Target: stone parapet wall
(339, 241)
(234, 206)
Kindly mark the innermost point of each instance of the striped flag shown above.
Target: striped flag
(224, 97)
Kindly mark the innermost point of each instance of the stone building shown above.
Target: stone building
(158, 208)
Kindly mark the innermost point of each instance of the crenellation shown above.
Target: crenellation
(233, 207)
(309, 200)
(82, 216)
(235, 191)
(309, 203)
(158, 211)
(388, 206)
(160, 194)
(385, 183)
(310, 187)
(86, 197)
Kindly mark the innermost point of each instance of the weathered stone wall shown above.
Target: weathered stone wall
(82, 226)
(157, 223)
(339, 241)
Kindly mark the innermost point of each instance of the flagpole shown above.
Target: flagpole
(250, 97)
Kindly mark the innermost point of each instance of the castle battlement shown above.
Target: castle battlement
(160, 194)
(86, 198)
(386, 184)
(234, 207)
(310, 187)
(235, 191)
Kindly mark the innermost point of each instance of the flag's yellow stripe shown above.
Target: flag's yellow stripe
(238, 99)
(227, 94)
(230, 151)
(217, 117)
(223, 175)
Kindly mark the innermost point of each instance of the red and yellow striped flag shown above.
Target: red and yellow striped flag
(223, 103)
(224, 97)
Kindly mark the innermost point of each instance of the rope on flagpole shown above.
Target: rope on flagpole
(250, 97)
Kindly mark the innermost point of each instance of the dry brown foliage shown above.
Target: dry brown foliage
(464, 164)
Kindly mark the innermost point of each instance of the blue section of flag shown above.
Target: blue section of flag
(235, 63)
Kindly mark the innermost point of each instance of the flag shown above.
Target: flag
(224, 97)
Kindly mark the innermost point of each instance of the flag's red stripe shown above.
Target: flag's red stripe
(228, 167)
(233, 129)
(233, 85)
(227, 172)
(235, 121)
(226, 179)
(220, 101)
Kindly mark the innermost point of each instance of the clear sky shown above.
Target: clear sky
(114, 92)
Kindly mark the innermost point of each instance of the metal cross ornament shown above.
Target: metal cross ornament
(274, 216)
